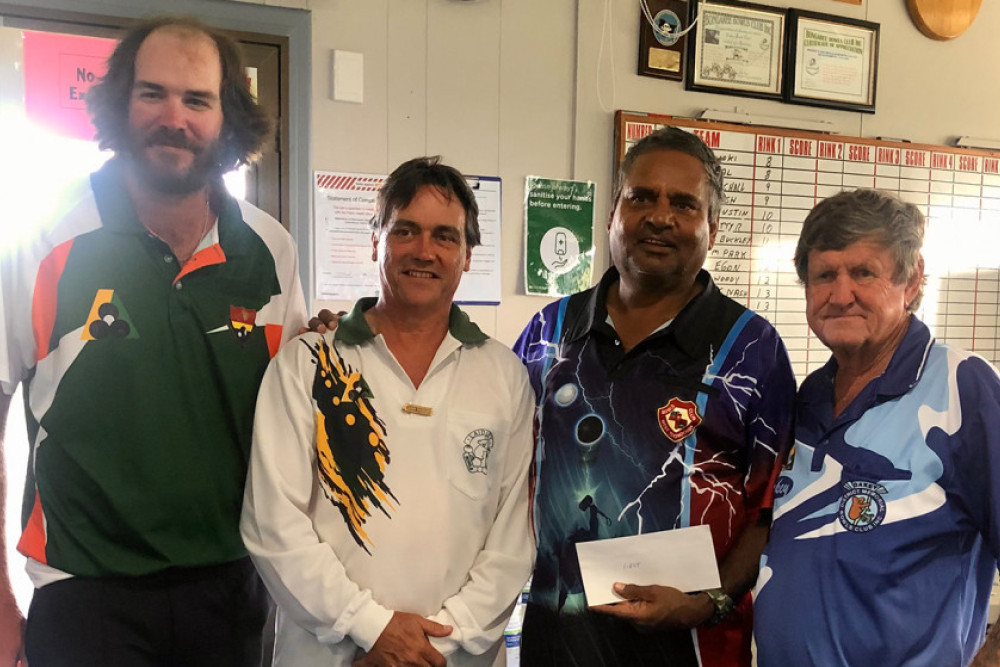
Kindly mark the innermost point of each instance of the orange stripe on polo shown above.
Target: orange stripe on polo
(206, 257)
(45, 296)
(273, 334)
(32, 542)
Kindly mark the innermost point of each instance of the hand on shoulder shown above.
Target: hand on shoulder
(324, 321)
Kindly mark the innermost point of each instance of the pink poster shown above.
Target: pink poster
(58, 70)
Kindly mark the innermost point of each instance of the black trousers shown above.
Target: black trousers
(591, 639)
(190, 617)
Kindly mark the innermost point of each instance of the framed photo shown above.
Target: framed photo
(661, 51)
(832, 61)
(737, 48)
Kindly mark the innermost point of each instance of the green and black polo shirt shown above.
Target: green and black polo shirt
(141, 379)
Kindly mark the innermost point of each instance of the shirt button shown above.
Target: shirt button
(168, 258)
(178, 285)
(618, 342)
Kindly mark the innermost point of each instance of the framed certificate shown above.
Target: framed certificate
(737, 48)
(661, 48)
(833, 61)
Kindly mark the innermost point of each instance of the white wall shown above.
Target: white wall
(510, 88)
(489, 85)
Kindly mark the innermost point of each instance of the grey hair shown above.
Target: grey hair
(674, 139)
(865, 215)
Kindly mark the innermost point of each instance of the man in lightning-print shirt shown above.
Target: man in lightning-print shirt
(661, 404)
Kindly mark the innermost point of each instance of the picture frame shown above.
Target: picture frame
(737, 48)
(662, 55)
(832, 61)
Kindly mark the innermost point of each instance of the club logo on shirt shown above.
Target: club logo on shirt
(862, 508)
(108, 318)
(242, 322)
(476, 452)
(783, 486)
(678, 418)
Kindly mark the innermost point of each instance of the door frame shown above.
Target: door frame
(291, 27)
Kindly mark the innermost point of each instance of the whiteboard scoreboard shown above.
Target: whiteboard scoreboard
(773, 178)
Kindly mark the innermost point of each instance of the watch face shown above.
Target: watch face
(723, 604)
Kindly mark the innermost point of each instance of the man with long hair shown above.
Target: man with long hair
(140, 321)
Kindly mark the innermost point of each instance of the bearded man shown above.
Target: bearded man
(140, 321)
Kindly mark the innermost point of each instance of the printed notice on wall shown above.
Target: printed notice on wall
(559, 236)
(344, 269)
(58, 72)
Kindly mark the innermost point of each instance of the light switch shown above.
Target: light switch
(348, 76)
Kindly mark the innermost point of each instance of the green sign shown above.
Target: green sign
(559, 236)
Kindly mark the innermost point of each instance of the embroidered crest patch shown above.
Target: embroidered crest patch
(476, 452)
(862, 508)
(678, 418)
(241, 322)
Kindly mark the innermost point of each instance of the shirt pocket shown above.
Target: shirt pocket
(471, 457)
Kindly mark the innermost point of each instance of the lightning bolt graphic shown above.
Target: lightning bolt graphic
(740, 387)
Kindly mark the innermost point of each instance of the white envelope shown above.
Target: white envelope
(683, 558)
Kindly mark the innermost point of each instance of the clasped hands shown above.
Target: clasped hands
(404, 643)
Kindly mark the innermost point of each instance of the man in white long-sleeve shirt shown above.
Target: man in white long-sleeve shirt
(387, 502)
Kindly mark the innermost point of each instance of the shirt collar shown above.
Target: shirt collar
(903, 372)
(699, 316)
(118, 214)
(353, 328)
(595, 313)
(688, 326)
(908, 361)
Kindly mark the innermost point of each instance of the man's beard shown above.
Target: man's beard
(204, 169)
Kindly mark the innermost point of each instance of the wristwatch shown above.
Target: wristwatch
(723, 604)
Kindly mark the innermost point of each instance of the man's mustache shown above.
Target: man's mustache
(164, 136)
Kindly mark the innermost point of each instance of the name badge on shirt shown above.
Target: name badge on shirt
(414, 409)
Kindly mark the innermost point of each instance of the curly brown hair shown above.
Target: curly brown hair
(246, 125)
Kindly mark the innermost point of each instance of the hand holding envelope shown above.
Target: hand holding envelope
(645, 578)
(659, 607)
